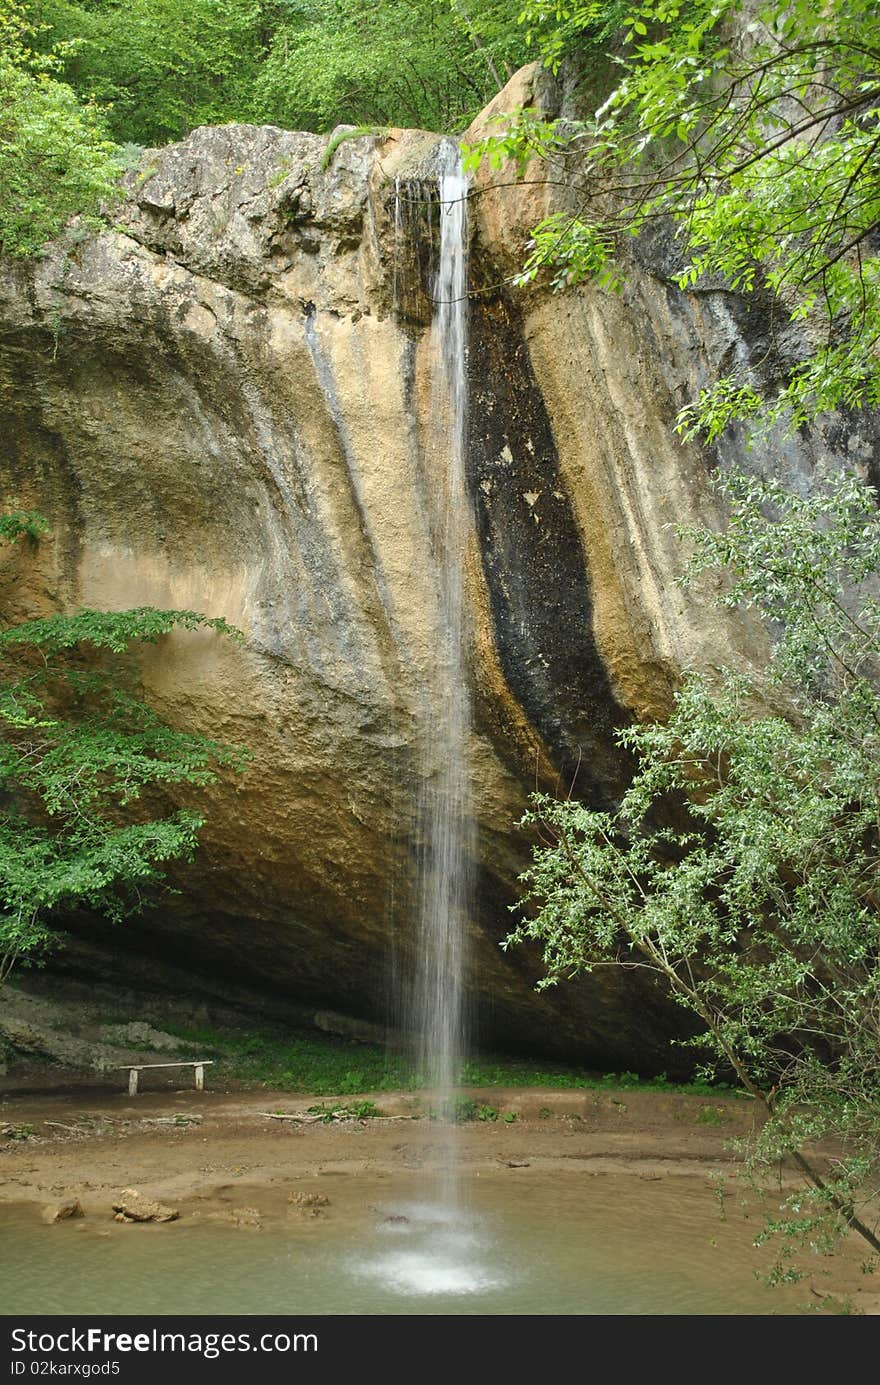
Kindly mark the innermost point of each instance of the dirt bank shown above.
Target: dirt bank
(182, 1143)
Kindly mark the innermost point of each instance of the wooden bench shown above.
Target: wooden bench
(133, 1069)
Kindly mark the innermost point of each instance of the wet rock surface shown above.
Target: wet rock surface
(135, 1206)
(247, 1218)
(62, 1211)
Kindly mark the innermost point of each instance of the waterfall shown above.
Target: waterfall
(398, 232)
(445, 812)
(436, 1247)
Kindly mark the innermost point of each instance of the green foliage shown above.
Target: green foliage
(573, 251)
(327, 1066)
(711, 1115)
(22, 524)
(55, 159)
(161, 67)
(113, 630)
(459, 1110)
(343, 136)
(519, 1072)
(342, 1111)
(17, 1132)
(562, 30)
(396, 62)
(305, 1062)
(759, 909)
(81, 755)
(76, 75)
(755, 131)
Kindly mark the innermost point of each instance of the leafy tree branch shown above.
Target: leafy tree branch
(84, 765)
(754, 132)
(761, 909)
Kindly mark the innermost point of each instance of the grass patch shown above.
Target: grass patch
(711, 1115)
(299, 1062)
(17, 1132)
(326, 1066)
(522, 1072)
(340, 1111)
(281, 174)
(343, 137)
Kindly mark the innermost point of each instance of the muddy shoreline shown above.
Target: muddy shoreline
(181, 1143)
(221, 1156)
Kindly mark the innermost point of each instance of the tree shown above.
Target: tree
(398, 62)
(752, 131)
(55, 159)
(161, 67)
(158, 68)
(755, 131)
(760, 909)
(83, 765)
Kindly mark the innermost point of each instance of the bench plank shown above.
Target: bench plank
(187, 1063)
(134, 1069)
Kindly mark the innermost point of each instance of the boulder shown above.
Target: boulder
(136, 1207)
(62, 1211)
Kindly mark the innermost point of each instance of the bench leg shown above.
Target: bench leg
(200, 1078)
(133, 1082)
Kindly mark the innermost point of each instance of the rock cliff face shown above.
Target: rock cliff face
(224, 404)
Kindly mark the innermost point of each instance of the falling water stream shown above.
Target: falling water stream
(446, 815)
(440, 1252)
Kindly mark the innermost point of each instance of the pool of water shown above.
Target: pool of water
(524, 1245)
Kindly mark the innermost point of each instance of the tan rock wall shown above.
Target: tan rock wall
(217, 408)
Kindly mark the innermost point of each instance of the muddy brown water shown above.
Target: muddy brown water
(531, 1244)
(586, 1204)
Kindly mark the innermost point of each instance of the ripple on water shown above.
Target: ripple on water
(444, 1252)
